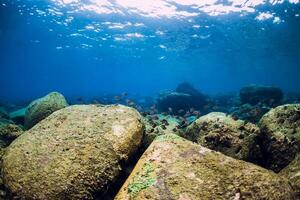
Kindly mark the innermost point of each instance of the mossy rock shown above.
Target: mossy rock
(43, 107)
(220, 132)
(74, 153)
(281, 135)
(9, 132)
(175, 168)
(292, 172)
(2, 188)
(254, 94)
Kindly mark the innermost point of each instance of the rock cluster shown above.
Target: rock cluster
(83, 151)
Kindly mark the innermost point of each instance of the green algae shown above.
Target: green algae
(168, 137)
(142, 180)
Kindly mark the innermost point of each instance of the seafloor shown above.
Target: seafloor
(181, 145)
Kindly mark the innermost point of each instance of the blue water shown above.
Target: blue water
(90, 48)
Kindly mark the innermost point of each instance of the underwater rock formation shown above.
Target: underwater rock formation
(249, 112)
(18, 116)
(220, 132)
(292, 172)
(185, 98)
(156, 125)
(187, 88)
(8, 133)
(175, 168)
(255, 94)
(280, 129)
(179, 103)
(43, 107)
(75, 153)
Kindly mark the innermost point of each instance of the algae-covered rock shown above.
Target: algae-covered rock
(220, 132)
(2, 188)
(43, 107)
(179, 101)
(175, 168)
(292, 172)
(8, 133)
(156, 125)
(254, 94)
(72, 154)
(281, 135)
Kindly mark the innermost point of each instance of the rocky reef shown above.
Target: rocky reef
(185, 146)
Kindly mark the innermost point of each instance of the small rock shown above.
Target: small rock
(43, 107)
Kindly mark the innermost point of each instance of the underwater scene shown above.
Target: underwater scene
(150, 99)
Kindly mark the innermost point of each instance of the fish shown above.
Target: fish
(197, 113)
(180, 111)
(117, 98)
(124, 94)
(80, 99)
(163, 127)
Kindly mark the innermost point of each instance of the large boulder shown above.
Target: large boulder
(182, 100)
(187, 88)
(255, 94)
(174, 168)
(281, 135)
(177, 103)
(292, 172)
(220, 132)
(43, 107)
(75, 153)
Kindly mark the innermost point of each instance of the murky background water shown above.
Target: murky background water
(91, 48)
